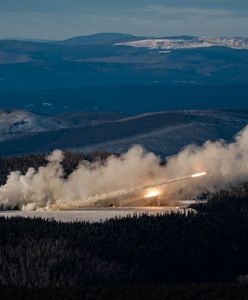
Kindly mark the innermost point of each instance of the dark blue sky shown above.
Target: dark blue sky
(58, 19)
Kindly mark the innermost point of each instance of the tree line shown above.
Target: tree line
(210, 246)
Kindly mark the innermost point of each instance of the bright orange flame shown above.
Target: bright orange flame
(152, 193)
(199, 174)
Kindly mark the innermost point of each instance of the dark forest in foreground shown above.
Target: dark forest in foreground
(134, 292)
(207, 247)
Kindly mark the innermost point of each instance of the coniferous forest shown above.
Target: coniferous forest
(203, 253)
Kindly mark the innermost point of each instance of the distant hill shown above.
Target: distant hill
(99, 39)
(16, 123)
(122, 72)
(121, 59)
(164, 133)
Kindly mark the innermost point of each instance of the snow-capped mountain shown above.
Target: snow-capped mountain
(187, 43)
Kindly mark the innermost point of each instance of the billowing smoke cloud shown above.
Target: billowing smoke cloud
(101, 183)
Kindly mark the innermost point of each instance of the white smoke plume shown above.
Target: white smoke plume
(95, 184)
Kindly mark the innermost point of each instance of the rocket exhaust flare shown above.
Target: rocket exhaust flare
(199, 174)
(152, 194)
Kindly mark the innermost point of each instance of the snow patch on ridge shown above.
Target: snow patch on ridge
(194, 42)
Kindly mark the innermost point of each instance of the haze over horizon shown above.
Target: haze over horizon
(61, 19)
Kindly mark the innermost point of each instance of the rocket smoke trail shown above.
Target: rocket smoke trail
(120, 176)
(174, 180)
(135, 190)
(125, 195)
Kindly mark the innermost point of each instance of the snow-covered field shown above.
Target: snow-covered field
(90, 214)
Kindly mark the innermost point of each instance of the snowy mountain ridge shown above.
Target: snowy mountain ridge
(188, 43)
